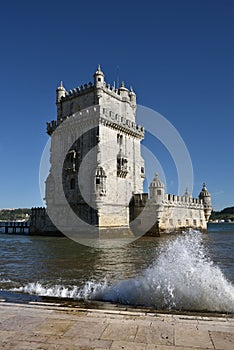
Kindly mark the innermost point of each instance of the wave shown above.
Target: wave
(88, 291)
(182, 278)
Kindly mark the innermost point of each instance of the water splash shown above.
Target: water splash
(182, 277)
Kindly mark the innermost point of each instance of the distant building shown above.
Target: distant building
(96, 126)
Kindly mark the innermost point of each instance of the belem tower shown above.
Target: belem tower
(97, 171)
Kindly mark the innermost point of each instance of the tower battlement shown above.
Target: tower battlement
(118, 93)
(122, 100)
(105, 115)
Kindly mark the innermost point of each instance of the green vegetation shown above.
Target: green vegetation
(225, 214)
(22, 213)
(14, 214)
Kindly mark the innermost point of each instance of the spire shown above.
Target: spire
(61, 87)
(123, 88)
(99, 71)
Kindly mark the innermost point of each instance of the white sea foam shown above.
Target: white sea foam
(182, 277)
(5, 280)
(88, 291)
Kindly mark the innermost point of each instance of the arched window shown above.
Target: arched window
(122, 165)
(100, 181)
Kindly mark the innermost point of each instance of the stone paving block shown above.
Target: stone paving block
(124, 345)
(54, 326)
(135, 321)
(151, 347)
(7, 345)
(26, 345)
(191, 336)
(4, 335)
(216, 327)
(156, 334)
(173, 347)
(47, 347)
(118, 331)
(6, 315)
(93, 343)
(30, 336)
(18, 323)
(58, 339)
(91, 330)
(188, 322)
(223, 340)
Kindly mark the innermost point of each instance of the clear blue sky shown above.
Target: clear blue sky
(178, 55)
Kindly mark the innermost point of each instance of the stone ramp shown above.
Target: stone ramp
(47, 326)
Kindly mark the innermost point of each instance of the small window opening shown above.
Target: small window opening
(100, 181)
(72, 184)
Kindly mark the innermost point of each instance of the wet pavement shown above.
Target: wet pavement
(48, 326)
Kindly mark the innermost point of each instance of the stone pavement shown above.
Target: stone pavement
(49, 327)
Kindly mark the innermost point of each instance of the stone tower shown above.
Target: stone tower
(205, 197)
(157, 190)
(97, 141)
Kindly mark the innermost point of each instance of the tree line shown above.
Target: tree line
(14, 214)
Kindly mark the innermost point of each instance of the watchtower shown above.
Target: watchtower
(102, 167)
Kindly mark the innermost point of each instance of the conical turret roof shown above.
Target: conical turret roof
(157, 182)
(204, 192)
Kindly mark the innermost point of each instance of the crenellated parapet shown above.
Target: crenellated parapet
(182, 201)
(106, 117)
(170, 200)
(140, 199)
(121, 93)
(38, 211)
(121, 123)
(78, 91)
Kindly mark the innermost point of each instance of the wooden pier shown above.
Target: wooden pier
(14, 227)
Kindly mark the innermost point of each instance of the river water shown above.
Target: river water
(191, 271)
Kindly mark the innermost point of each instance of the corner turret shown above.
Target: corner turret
(206, 199)
(98, 78)
(187, 193)
(60, 92)
(157, 190)
(132, 97)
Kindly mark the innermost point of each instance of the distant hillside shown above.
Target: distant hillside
(14, 214)
(225, 214)
(22, 213)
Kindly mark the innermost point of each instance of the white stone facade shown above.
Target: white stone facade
(97, 141)
(170, 212)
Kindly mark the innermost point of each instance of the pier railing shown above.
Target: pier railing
(15, 227)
